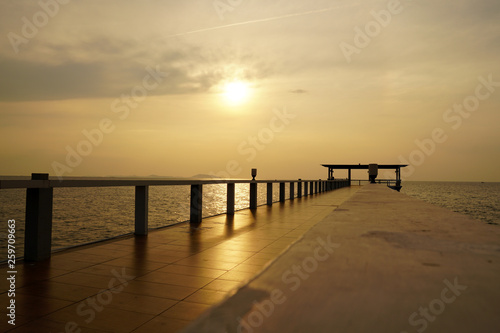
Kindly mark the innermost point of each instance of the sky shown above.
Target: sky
(180, 88)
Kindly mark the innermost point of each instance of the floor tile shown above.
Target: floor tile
(223, 285)
(159, 290)
(249, 268)
(60, 291)
(205, 296)
(100, 316)
(237, 276)
(30, 306)
(185, 310)
(206, 263)
(194, 271)
(163, 325)
(45, 325)
(141, 303)
(89, 280)
(176, 279)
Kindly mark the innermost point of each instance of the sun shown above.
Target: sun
(236, 92)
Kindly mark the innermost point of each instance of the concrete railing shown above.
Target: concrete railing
(39, 198)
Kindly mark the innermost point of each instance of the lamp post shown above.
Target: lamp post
(254, 174)
(253, 191)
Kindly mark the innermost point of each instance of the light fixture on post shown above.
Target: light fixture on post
(254, 174)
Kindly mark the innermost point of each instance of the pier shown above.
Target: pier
(39, 201)
(353, 259)
(381, 262)
(162, 281)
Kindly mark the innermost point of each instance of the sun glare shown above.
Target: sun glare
(236, 92)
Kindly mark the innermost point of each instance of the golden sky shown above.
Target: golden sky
(178, 88)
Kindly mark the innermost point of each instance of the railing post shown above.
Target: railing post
(38, 229)
(141, 210)
(282, 192)
(315, 187)
(299, 189)
(311, 187)
(230, 198)
(305, 189)
(292, 190)
(253, 195)
(196, 204)
(269, 194)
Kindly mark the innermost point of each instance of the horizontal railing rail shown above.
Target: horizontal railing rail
(39, 199)
(11, 184)
(378, 181)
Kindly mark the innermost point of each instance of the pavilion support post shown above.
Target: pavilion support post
(253, 195)
(141, 210)
(398, 176)
(269, 194)
(196, 205)
(230, 198)
(38, 225)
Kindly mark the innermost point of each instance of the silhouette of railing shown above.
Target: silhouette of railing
(39, 199)
(389, 182)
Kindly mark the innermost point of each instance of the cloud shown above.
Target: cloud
(101, 67)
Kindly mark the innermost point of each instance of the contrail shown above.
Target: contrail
(262, 20)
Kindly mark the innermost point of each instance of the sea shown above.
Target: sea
(86, 215)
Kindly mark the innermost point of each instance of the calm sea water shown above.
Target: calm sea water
(83, 215)
(481, 201)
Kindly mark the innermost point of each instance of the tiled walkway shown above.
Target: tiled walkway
(161, 282)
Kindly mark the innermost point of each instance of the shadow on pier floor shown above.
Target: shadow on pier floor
(161, 282)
